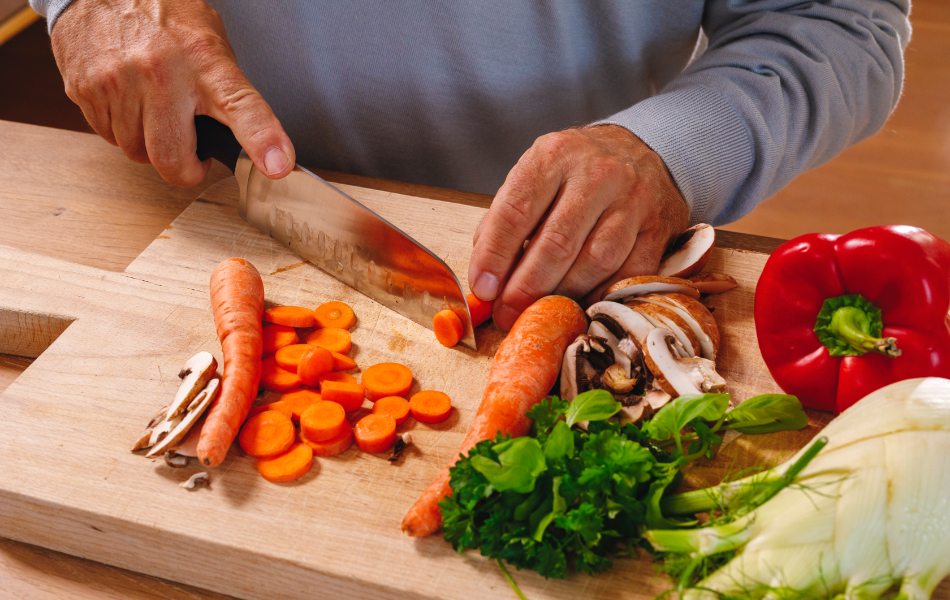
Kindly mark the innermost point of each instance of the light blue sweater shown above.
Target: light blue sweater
(451, 93)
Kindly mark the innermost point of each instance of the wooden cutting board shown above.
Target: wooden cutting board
(110, 346)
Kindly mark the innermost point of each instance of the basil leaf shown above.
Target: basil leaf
(522, 460)
(672, 418)
(560, 443)
(767, 413)
(592, 405)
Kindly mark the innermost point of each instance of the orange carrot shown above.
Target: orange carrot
(347, 395)
(524, 370)
(292, 316)
(375, 433)
(387, 379)
(279, 406)
(332, 447)
(267, 434)
(278, 336)
(479, 309)
(237, 303)
(341, 362)
(430, 406)
(448, 327)
(336, 376)
(298, 401)
(394, 406)
(288, 357)
(289, 466)
(315, 362)
(277, 379)
(334, 314)
(323, 421)
(331, 338)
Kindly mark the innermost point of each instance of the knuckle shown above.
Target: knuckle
(558, 245)
(603, 257)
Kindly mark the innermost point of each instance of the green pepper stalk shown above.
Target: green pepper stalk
(851, 326)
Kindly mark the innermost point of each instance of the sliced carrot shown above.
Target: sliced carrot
(323, 421)
(278, 336)
(336, 376)
(347, 395)
(387, 379)
(342, 362)
(394, 406)
(289, 466)
(288, 357)
(279, 406)
(448, 327)
(331, 338)
(332, 447)
(277, 379)
(479, 309)
(268, 433)
(298, 401)
(334, 314)
(430, 406)
(292, 316)
(315, 362)
(375, 433)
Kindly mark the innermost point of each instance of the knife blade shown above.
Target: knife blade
(339, 235)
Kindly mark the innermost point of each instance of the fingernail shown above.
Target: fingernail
(504, 317)
(275, 161)
(486, 287)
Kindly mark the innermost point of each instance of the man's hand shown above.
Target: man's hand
(598, 206)
(142, 69)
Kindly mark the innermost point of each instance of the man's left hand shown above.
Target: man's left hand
(597, 204)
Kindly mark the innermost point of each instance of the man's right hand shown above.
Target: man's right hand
(141, 70)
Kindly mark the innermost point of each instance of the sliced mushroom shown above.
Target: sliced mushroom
(176, 461)
(194, 376)
(196, 481)
(696, 316)
(144, 440)
(650, 284)
(621, 358)
(657, 399)
(678, 376)
(617, 380)
(584, 361)
(179, 426)
(713, 283)
(689, 252)
(664, 316)
(635, 413)
(627, 325)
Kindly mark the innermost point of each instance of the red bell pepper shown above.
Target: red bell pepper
(839, 316)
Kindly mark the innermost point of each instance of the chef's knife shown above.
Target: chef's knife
(339, 235)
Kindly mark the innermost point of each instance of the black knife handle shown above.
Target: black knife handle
(215, 140)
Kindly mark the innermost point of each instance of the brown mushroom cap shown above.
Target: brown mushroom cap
(713, 283)
(689, 252)
(650, 284)
(697, 317)
(699, 312)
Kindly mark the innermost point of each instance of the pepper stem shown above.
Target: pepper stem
(852, 326)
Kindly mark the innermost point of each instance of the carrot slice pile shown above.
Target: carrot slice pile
(288, 466)
(448, 327)
(298, 401)
(288, 357)
(375, 433)
(387, 379)
(334, 314)
(278, 336)
(277, 379)
(341, 362)
(315, 362)
(394, 406)
(336, 376)
(332, 447)
(347, 395)
(292, 316)
(268, 433)
(279, 406)
(331, 338)
(323, 421)
(430, 406)
(479, 309)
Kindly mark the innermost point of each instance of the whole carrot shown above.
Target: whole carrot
(237, 303)
(524, 370)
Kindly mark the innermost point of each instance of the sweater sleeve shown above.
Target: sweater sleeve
(50, 9)
(783, 87)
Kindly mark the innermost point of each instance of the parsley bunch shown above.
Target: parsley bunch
(572, 497)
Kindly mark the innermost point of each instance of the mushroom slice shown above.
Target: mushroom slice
(635, 413)
(584, 361)
(627, 325)
(702, 324)
(194, 376)
(713, 283)
(180, 425)
(621, 358)
(657, 399)
(678, 376)
(650, 284)
(617, 380)
(144, 440)
(689, 252)
(196, 481)
(667, 317)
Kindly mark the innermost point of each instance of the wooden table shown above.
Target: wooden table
(72, 196)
